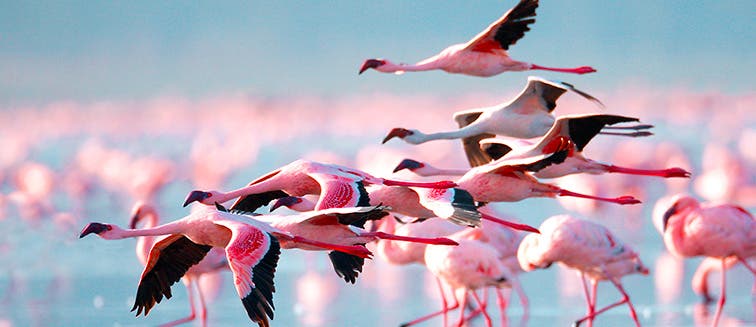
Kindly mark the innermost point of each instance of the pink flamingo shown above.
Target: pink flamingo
(338, 186)
(589, 248)
(214, 261)
(579, 129)
(486, 54)
(471, 265)
(404, 253)
(252, 249)
(526, 116)
(507, 180)
(720, 231)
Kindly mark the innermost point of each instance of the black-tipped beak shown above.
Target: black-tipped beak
(96, 228)
(667, 214)
(195, 196)
(287, 201)
(408, 164)
(370, 63)
(397, 132)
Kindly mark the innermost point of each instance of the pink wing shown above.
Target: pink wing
(340, 192)
(454, 204)
(253, 256)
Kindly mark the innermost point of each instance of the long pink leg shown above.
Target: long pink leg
(441, 184)
(188, 282)
(625, 299)
(578, 70)
(666, 173)
(721, 302)
(517, 286)
(203, 305)
(510, 224)
(503, 302)
(356, 250)
(627, 199)
(482, 307)
(589, 298)
(745, 263)
(462, 306)
(387, 236)
(477, 311)
(445, 308)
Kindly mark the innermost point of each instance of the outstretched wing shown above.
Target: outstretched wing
(250, 203)
(506, 30)
(546, 92)
(253, 256)
(454, 204)
(340, 192)
(583, 128)
(561, 149)
(472, 150)
(169, 260)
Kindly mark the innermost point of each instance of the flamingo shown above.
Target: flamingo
(589, 248)
(486, 54)
(579, 129)
(252, 250)
(338, 187)
(720, 231)
(507, 180)
(471, 265)
(528, 115)
(214, 261)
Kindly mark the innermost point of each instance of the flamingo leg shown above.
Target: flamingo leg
(482, 308)
(503, 302)
(630, 134)
(202, 304)
(589, 298)
(188, 282)
(445, 308)
(625, 299)
(517, 286)
(578, 70)
(666, 173)
(356, 250)
(513, 225)
(745, 263)
(721, 302)
(387, 236)
(441, 184)
(627, 199)
(462, 306)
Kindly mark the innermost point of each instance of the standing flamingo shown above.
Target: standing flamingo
(252, 250)
(214, 261)
(579, 129)
(721, 231)
(486, 54)
(526, 116)
(589, 248)
(338, 187)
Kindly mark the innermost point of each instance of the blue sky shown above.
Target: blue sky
(132, 50)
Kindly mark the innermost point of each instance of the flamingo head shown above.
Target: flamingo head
(680, 203)
(102, 230)
(409, 164)
(372, 63)
(203, 197)
(398, 132)
(287, 201)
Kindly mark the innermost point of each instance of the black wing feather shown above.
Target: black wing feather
(516, 24)
(250, 203)
(347, 266)
(175, 259)
(259, 302)
(583, 129)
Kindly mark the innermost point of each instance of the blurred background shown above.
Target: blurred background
(104, 104)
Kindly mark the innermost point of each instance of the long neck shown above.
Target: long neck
(429, 170)
(144, 244)
(261, 187)
(174, 227)
(390, 67)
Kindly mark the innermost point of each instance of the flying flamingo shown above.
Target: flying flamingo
(527, 116)
(589, 248)
(507, 180)
(338, 187)
(720, 231)
(486, 54)
(252, 250)
(214, 261)
(579, 129)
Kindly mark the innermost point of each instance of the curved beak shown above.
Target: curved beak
(408, 164)
(667, 214)
(397, 132)
(134, 220)
(195, 196)
(286, 201)
(371, 63)
(96, 228)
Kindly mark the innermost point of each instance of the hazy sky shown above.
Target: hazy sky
(132, 50)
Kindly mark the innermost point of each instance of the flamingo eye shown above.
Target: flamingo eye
(108, 227)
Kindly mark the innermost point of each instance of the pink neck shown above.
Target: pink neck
(175, 227)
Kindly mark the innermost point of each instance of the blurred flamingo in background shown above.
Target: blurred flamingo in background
(725, 176)
(213, 262)
(589, 248)
(34, 185)
(719, 231)
(486, 54)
